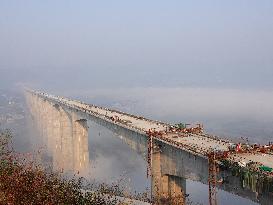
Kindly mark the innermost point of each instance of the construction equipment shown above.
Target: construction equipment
(215, 156)
(266, 168)
(212, 179)
(149, 154)
(183, 128)
(180, 125)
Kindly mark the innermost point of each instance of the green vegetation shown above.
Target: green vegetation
(180, 125)
(22, 181)
(266, 169)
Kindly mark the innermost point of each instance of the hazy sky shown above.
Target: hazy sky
(136, 43)
(231, 113)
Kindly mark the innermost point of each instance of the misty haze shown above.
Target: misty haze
(167, 100)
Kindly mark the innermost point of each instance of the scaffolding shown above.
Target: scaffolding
(212, 179)
(149, 155)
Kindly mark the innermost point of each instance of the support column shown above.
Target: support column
(166, 189)
(56, 135)
(66, 141)
(47, 127)
(39, 118)
(42, 120)
(32, 108)
(80, 141)
(53, 126)
(32, 102)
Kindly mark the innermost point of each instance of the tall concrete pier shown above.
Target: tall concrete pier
(62, 125)
(64, 132)
(166, 187)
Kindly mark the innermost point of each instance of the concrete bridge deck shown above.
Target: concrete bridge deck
(174, 156)
(199, 144)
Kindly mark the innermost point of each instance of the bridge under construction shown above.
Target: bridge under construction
(173, 152)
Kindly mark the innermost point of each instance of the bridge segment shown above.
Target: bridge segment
(175, 157)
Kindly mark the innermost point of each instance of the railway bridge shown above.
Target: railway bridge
(172, 156)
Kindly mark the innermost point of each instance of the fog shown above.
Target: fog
(80, 44)
(231, 113)
(198, 61)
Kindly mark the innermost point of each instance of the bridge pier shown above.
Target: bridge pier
(39, 121)
(49, 115)
(56, 137)
(166, 189)
(64, 133)
(44, 122)
(66, 141)
(66, 137)
(80, 144)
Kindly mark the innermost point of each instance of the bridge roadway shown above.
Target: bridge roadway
(198, 144)
(175, 156)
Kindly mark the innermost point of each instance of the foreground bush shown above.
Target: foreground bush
(24, 182)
